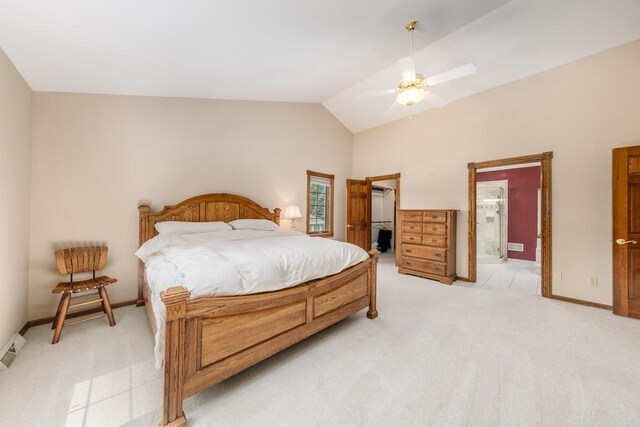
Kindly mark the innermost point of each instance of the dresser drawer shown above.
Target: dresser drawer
(425, 266)
(426, 252)
(435, 216)
(411, 238)
(411, 216)
(437, 229)
(438, 241)
(412, 228)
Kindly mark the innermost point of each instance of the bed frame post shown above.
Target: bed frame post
(276, 212)
(175, 301)
(143, 237)
(373, 274)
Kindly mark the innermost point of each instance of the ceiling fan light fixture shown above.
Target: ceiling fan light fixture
(411, 96)
(412, 89)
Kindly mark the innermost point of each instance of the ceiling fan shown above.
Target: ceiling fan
(413, 87)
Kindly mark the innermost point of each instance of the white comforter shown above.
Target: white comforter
(238, 262)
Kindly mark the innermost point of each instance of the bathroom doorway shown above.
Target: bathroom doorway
(507, 218)
(510, 223)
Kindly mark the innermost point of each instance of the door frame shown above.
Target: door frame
(545, 190)
(371, 179)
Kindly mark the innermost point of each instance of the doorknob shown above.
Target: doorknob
(625, 242)
(350, 225)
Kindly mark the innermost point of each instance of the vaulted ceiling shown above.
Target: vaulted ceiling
(285, 50)
(521, 38)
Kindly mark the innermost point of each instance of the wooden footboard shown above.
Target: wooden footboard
(210, 339)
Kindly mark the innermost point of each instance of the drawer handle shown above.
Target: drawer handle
(438, 254)
(408, 263)
(408, 250)
(434, 241)
(434, 216)
(435, 229)
(437, 268)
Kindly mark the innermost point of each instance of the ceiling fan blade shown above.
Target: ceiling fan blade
(407, 69)
(435, 100)
(376, 93)
(456, 73)
(392, 108)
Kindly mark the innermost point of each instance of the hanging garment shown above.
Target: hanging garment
(384, 240)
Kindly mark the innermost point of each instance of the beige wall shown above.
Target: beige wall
(97, 157)
(580, 111)
(15, 187)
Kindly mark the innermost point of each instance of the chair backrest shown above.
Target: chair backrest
(80, 260)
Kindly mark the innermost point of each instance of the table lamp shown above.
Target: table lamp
(292, 212)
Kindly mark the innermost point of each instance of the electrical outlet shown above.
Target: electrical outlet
(593, 281)
(557, 275)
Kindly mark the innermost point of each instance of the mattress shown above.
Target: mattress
(238, 262)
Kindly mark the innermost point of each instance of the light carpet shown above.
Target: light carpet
(437, 355)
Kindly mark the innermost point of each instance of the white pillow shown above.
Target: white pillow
(254, 224)
(155, 245)
(183, 227)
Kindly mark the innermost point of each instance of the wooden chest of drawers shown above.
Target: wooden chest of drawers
(428, 244)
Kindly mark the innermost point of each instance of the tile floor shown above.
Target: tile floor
(513, 274)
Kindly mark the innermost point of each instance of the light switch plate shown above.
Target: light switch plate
(557, 275)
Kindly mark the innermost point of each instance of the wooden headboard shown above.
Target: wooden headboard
(204, 208)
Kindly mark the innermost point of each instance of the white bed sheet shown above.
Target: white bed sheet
(238, 262)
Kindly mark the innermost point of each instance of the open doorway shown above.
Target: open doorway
(510, 223)
(383, 216)
(508, 249)
(372, 210)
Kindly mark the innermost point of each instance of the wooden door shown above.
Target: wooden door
(359, 213)
(626, 231)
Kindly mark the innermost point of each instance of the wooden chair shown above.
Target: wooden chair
(81, 260)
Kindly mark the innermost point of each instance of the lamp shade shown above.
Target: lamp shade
(292, 212)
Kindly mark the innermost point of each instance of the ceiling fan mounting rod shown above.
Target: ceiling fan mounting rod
(410, 27)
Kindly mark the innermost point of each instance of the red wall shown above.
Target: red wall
(523, 207)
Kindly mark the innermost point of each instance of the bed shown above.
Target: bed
(208, 339)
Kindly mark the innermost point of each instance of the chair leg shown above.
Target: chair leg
(55, 319)
(106, 305)
(64, 307)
